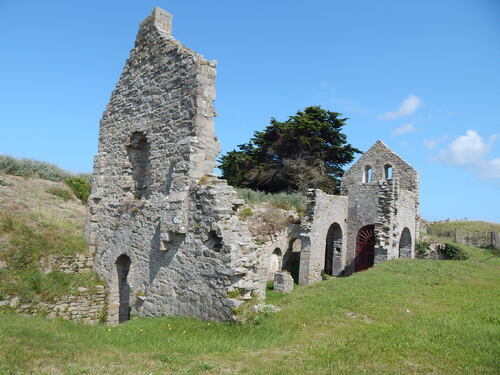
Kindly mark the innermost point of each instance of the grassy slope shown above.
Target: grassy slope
(401, 317)
(35, 223)
(468, 226)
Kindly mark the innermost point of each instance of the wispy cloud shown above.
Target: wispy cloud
(470, 151)
(328, 93)
(403, 129)
(406, 108)
(433, 142)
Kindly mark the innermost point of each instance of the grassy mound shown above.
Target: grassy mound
(28, 168)
(38, 218)
(464, 225)
(400, 317)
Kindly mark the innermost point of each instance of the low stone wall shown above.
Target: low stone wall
(86, 306)
(80, 263)
(477, 239)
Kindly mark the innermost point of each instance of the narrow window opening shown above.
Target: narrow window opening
(138, 153)
(388, 172)
(367, 176)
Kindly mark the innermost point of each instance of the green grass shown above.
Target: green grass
(27, 239)
(63, 193)
(400, 317)
(285, 201)
(31, 285)
(467, 226)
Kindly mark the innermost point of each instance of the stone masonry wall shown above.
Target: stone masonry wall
(154, 199)
(323, 210)
(388, 202)
(86, 306)
(80, 263)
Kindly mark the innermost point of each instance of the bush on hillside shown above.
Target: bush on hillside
(80, 186)
(31, 168)
(454, 252)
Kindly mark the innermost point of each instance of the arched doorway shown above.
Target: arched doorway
(123, 267)
(365, 248)
(405, 244)
(291, 260)
(333, 251)
(274, 263)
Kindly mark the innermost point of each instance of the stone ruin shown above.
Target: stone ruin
(165, 231)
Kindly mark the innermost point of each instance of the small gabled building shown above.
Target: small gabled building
(375, 218)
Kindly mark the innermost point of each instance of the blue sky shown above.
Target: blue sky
(422, 76)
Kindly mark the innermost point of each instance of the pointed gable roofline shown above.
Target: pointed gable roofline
(377, 160)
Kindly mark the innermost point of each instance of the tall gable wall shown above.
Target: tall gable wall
(165, 231)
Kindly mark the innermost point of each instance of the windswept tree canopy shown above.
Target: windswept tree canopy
(306, 151)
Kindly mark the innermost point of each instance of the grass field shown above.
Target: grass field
(467, 226)
(400, 317)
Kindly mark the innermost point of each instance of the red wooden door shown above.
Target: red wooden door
(365, 248)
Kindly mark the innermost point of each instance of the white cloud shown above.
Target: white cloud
(431, 143)
(406, 108)
(469, 151)
(403, 129)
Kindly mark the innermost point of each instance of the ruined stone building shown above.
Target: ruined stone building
(375, 218)
(165, 230)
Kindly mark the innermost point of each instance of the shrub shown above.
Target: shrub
(454, 252)
(31, 168)
(285, 201)
(421, 247)
(266, 223)
(246, 212)
(235, 293)
(65, 194)
(80, 186)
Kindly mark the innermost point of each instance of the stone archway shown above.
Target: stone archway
(275, 263)
(333, 251)
(122, 268)
(291, 260)
(365, 248)
(405, 244)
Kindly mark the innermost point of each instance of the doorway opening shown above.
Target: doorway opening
(365, 248)
(123, 267)
(333, 251)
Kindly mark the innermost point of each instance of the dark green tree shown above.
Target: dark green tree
(306, 151)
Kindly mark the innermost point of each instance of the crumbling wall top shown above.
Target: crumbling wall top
(160, 19)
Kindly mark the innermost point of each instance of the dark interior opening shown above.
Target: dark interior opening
(123, 267)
